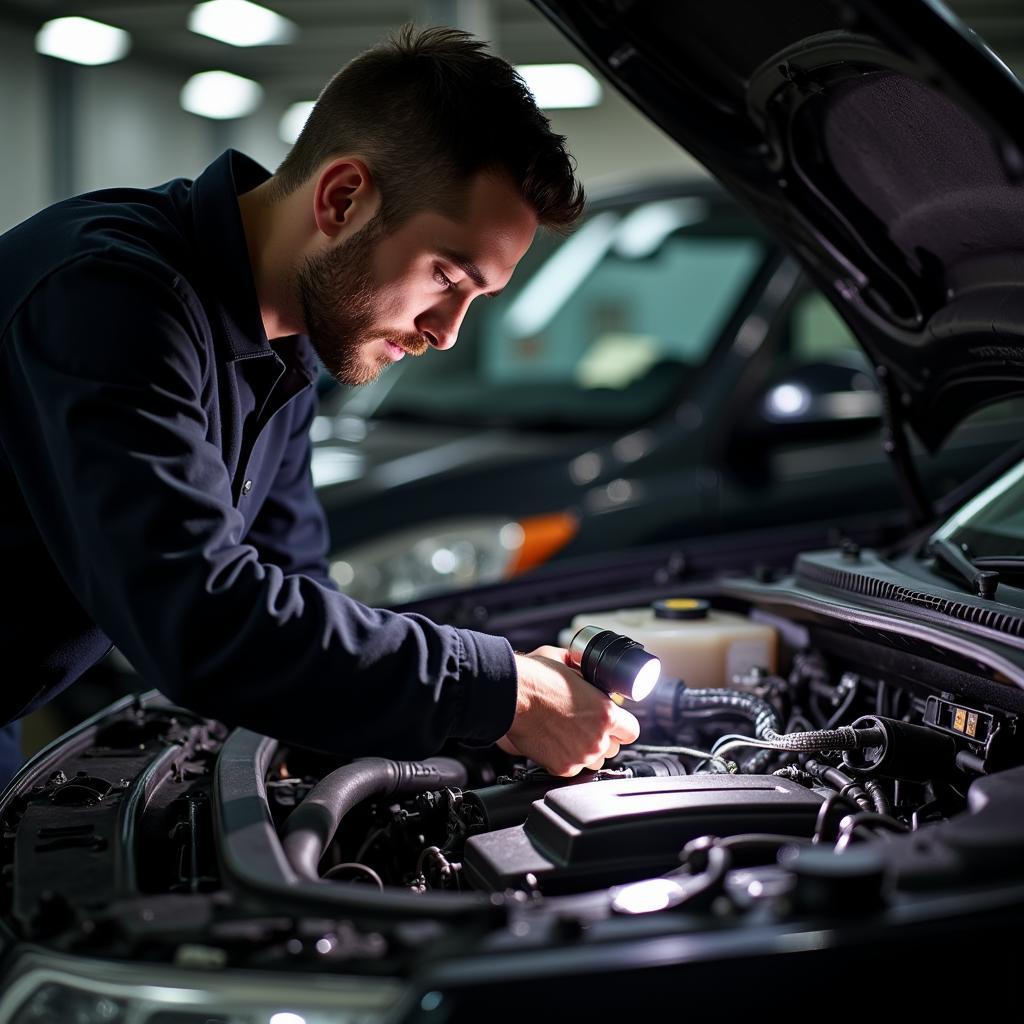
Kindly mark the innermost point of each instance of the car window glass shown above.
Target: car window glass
(992, 522)
(817, 330)
(603, 327)
(640, 301)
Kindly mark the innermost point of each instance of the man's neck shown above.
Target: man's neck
(273, 235)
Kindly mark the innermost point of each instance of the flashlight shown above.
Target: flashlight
(613, 662)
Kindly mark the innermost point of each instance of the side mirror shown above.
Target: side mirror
(823, 401)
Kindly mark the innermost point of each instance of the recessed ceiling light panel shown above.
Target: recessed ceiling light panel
(241, 23)
(82, 41)
(561, 85)
(220, 95)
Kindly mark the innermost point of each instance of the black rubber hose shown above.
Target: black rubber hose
(764, 717)
(839, 781)
(878, 797)
(761, 713)
(312, 825)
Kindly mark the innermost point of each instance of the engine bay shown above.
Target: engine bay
(822, 754)
(848, 771)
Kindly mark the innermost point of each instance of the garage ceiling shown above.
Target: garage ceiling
(333, 31)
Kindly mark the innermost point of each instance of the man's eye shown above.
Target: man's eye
(443, 279)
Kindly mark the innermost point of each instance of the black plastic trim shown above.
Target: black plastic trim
(886, 590)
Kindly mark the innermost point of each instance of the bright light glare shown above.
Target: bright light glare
(557, 86)
(240, 23)
(511, 536)
(646, 680)
(293, 120)
(443, 561)
(286, 1018)
(342, 573)
(82, 41)
(648, 896)
(789, 400)
(220, 95)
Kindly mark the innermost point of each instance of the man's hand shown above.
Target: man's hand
(563, 722)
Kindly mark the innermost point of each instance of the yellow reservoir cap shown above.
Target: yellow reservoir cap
(681, 608)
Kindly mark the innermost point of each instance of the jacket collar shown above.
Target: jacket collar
(224, 254)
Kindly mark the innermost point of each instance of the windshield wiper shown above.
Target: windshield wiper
(1013, 565)
(982, 581)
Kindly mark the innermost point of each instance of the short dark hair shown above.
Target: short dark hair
(429, 109)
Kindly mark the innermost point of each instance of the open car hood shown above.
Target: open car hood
(882, 142)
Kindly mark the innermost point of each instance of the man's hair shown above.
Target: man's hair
(428, 110)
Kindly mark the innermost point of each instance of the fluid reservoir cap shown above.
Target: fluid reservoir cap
(681, 608)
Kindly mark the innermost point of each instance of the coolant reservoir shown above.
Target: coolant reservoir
(695, 643)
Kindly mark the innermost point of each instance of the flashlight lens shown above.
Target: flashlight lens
(646, 680)
(613, 662)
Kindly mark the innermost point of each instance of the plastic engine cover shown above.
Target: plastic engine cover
(601, 833)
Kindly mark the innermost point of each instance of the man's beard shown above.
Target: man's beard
(339, 305)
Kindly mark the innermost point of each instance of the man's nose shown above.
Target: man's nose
(441, 324)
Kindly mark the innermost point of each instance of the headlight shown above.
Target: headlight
(448, 555)
(43, 988)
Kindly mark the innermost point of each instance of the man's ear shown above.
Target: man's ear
(345, 197)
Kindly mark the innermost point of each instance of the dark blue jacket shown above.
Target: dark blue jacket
(155, 491)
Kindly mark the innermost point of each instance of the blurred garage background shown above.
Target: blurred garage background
(134, 92)
(69, 127)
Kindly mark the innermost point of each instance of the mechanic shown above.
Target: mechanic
(157, 389)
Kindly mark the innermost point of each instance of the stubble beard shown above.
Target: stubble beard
(337, 295)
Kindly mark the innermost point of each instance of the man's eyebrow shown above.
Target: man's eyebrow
(471, 270)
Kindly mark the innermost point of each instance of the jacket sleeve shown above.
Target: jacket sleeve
(290, 530)
(102, 419)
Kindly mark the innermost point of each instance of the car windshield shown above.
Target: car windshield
(991, 525)
(603, 328)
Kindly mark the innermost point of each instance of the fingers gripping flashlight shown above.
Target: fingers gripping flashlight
(613, 662)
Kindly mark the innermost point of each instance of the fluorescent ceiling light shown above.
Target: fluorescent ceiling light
(220, 95)
(82, 40)
(293, 119)
(561, 85)
(240, 23)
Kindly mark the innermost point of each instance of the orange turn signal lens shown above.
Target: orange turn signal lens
(542, 537)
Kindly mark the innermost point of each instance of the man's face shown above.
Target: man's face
(375, 297)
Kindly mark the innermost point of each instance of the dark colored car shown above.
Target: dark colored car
(836, 827)
(666, 372)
